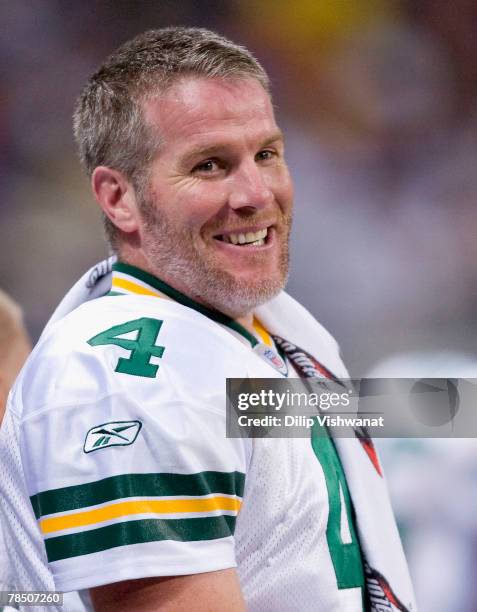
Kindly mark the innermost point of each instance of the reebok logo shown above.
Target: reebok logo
(115, 433)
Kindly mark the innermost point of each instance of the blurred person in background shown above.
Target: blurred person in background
(14, 349)
(15, 346)
(432, 483)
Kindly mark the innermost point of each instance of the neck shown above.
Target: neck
(247, 322)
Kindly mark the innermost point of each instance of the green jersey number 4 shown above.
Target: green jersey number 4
(142, 347)
(342, 539)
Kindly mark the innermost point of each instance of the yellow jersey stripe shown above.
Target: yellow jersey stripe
(262, 332)
(122, 283)
(130, 508)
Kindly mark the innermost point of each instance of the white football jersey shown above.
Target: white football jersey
(114, 462)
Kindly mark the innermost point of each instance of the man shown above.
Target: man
(136, 494)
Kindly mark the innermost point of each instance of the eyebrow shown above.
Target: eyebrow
(208, 151)
(276, 136)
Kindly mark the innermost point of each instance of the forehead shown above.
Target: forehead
(199, 110)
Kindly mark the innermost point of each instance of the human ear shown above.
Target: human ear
(116, 196)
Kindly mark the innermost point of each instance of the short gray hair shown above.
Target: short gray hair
(108, 121)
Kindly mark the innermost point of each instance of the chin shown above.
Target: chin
(240, 297)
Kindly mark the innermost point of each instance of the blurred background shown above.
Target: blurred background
(377, 99)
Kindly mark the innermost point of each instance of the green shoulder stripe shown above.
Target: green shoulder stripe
(136, 485)
(139, 532)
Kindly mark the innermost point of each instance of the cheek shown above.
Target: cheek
(284, 189)
(290, 192)
(201, 203)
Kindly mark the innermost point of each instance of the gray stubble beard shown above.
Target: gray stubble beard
(186, 271)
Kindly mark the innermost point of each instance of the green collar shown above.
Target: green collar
(177, 296)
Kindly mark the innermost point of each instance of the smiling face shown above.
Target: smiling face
(216, 213)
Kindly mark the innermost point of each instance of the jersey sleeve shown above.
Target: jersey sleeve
(128, 468)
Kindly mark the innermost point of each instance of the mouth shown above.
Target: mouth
(246, 239)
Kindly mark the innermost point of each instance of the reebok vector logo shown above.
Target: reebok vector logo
(114, 433)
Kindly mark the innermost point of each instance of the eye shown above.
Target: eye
(207, 167)
(266, 155)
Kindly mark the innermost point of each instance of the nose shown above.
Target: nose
(249, 189)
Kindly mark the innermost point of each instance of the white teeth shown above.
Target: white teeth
(253, 238)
